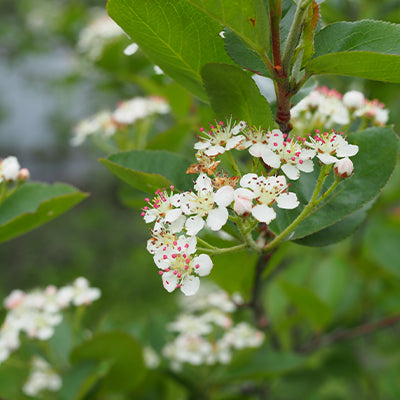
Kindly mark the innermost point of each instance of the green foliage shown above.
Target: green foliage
(150, 170)
(175, 35)
(233, 92)
(121, 357)
(34, 204)
(371, 174)
(367, 49)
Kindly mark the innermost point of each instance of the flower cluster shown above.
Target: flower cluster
(206, 333)
(180, 217)
(100, 32)
(42, 377)
(37, 313)
(329, 108)
(11, 171)
(105, 123)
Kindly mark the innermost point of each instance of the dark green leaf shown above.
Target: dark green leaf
(248, 19)
(337, 232)
(233, 92)
(243, 55)
(33, 205)
(125, 354)
(171, 139)
(373, 166)
(174, 34)
(150, 170)
(367, 49)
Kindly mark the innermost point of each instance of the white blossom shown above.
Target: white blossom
(9, 169)
(220, 138)
(331, 146)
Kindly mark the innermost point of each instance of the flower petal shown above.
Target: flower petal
(291, 171)
(190, 285)
(224, 196)
(327, 158)
(263, 213)
(204, 263)
(271, 159)
(347, 150)
(287, 201)
(169, 281)
(217, 218)
(194, 225)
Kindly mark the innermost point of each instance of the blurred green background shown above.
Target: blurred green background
(47, 86)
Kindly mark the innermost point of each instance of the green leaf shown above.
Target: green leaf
(172, 139)
(233, 92)
(248, 19)
(308, 304)
(337, 232)
(228, 272)
(150, 170)
(367, 49)
(175, 35)
(373, 166)
(34, 204)
(125, 354)
(262, 362)
(242, 55)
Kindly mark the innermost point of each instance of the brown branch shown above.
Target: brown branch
(347, 334)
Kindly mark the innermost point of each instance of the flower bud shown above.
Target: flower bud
(10, 169)
(353, 99)
(344, 168)
(23, 174)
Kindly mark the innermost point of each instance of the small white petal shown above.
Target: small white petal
(204, 264)
(224, 196)
(238, 128)
(263, 213)
(291, 171)
(271, 159)
(217, 218)
(306, 166)
(190, 285)
(234, 142)
(287, 201)
(249, 180)
(201, 145)
(131, 49)
(203, 182)
(327, 158)
(173, 215)
(169, 281)
(257, 149)
(347, 150)
(194, 225)
(214, 150)
(243, 201)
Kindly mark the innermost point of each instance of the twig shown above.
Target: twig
(347, 334)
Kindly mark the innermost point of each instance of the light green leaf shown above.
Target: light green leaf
(233, 92)
(175, 35)
(373, 166)
(248, 19)
(308, 304)
(150, 170)
(125, 354)
(33, 205)
(261, 363)
(367, 49)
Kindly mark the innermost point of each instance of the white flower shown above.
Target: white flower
(84, 294)
(187, 323)
(128, 112)
(330, 146)
(344, 167)
(9, 169)
(353, 99)
(220, 138)
(101, 31)
(243, 335)
(163, 207)
(287, 154)
(179, 268)
(266, 192)
(42, 377)
(99, 124)
(151, 358)
(203, 204)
